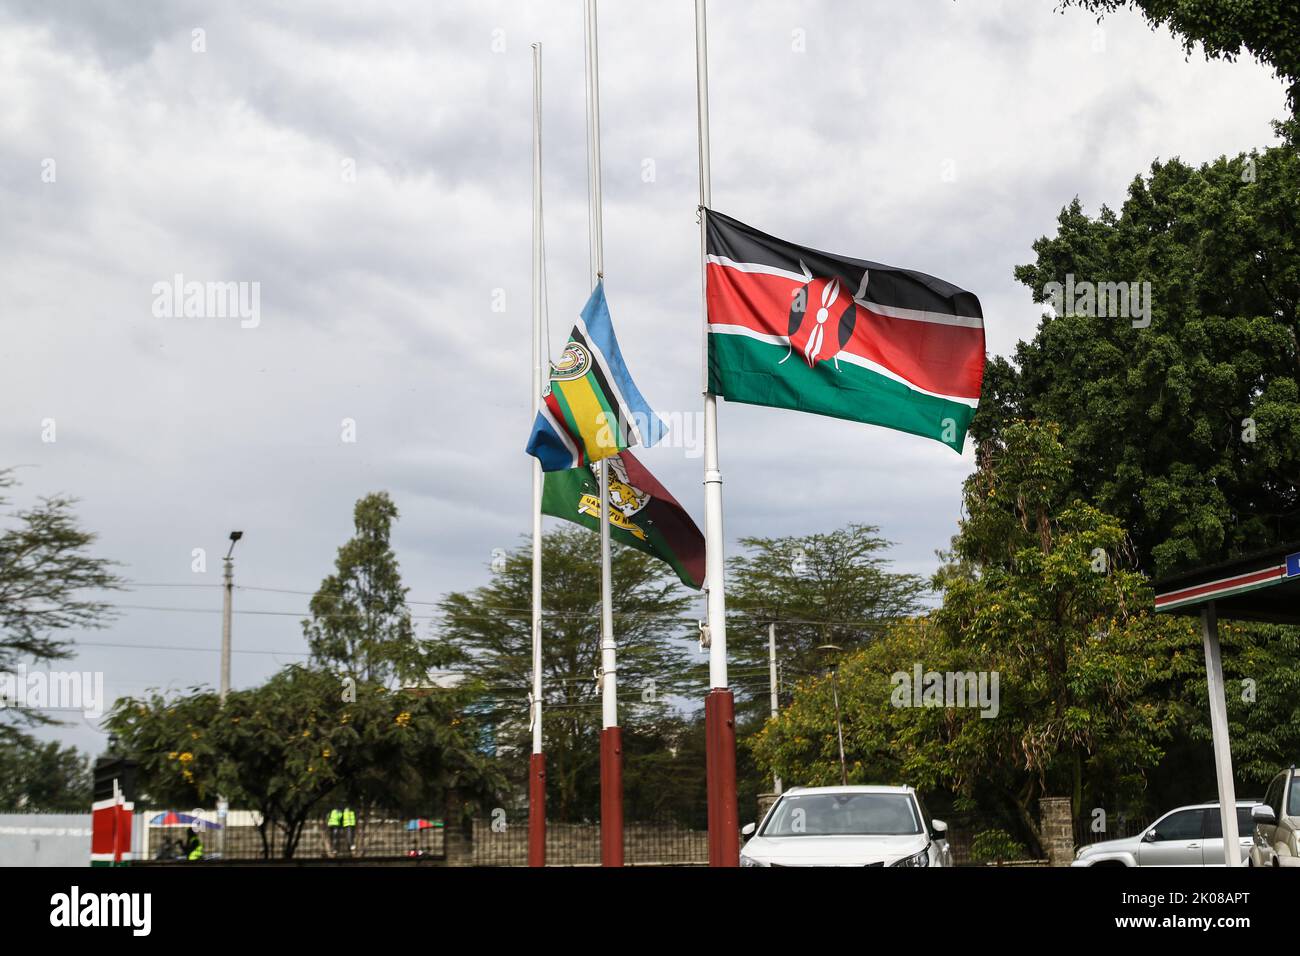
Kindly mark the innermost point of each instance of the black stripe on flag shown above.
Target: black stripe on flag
(888, 285)
(611, 396)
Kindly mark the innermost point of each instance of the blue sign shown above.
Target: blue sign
(1293, 565)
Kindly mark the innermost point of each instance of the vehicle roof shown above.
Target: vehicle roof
(1241, 802)
(854, 788)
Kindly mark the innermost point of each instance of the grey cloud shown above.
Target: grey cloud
(377, 295)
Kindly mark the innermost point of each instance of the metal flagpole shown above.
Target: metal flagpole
(611, 737)
(719, 706)
(537, 762)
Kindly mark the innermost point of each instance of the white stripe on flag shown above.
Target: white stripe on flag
(545, 411)
(633, 433)
(888, 311)
(758, 268)
(847, 357)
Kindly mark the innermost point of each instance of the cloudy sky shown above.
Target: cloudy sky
(940, 135)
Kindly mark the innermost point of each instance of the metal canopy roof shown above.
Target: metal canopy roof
(1259, 587)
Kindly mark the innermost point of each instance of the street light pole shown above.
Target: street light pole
(839, 727)
(228, 575)
(771, 675)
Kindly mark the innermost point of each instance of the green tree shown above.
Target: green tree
(48, 577)
(38, 777)
(360, 625)
(491, 626)
(1038, 591)
(283, 748)
(1269, 29)
(1187, 431)
(1054, 601)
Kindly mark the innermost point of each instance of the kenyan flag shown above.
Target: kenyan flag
(791, 327)
(642, 514)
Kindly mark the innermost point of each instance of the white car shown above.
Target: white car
(1188, 836)
(847, 826)
(1277, 823)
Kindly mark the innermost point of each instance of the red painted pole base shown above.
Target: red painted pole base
(537, 810)
(611, 797)
(720, 755)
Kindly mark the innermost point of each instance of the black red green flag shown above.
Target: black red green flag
(793, 327)
(642, 514)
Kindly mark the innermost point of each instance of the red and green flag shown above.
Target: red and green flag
(793, 327)
(642, 514)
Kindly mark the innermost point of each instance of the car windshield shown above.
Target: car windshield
(848, 814)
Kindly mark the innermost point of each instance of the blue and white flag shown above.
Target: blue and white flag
(591, 409)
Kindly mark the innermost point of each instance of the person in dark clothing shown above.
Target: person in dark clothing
(193, 846)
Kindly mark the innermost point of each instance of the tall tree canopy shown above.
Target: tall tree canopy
(43, 777)
(492, 627)
(1187, 431)
(360, 625)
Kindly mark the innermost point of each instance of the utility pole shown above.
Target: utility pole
(771, 674)
(227, 600)
(228, 573)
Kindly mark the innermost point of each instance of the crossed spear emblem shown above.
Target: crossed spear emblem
(844, 321)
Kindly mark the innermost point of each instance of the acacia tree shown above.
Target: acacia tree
(1187, 431)
(826, 588)
(46, 572)
(491, 627)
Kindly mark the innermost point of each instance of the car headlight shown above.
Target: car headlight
(916, 859)
(750, 861)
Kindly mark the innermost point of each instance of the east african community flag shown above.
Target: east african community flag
(642, 514)
(792, 327)
(591, 409)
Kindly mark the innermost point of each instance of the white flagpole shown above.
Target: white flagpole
(611, 745)
(537, 762)
(724, 833)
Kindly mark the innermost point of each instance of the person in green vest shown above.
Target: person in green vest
(350, 828)
(335, 826)
(193, 846)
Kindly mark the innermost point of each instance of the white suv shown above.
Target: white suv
(847, 826)
(1277, 823)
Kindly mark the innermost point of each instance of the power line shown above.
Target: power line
(761, 616)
